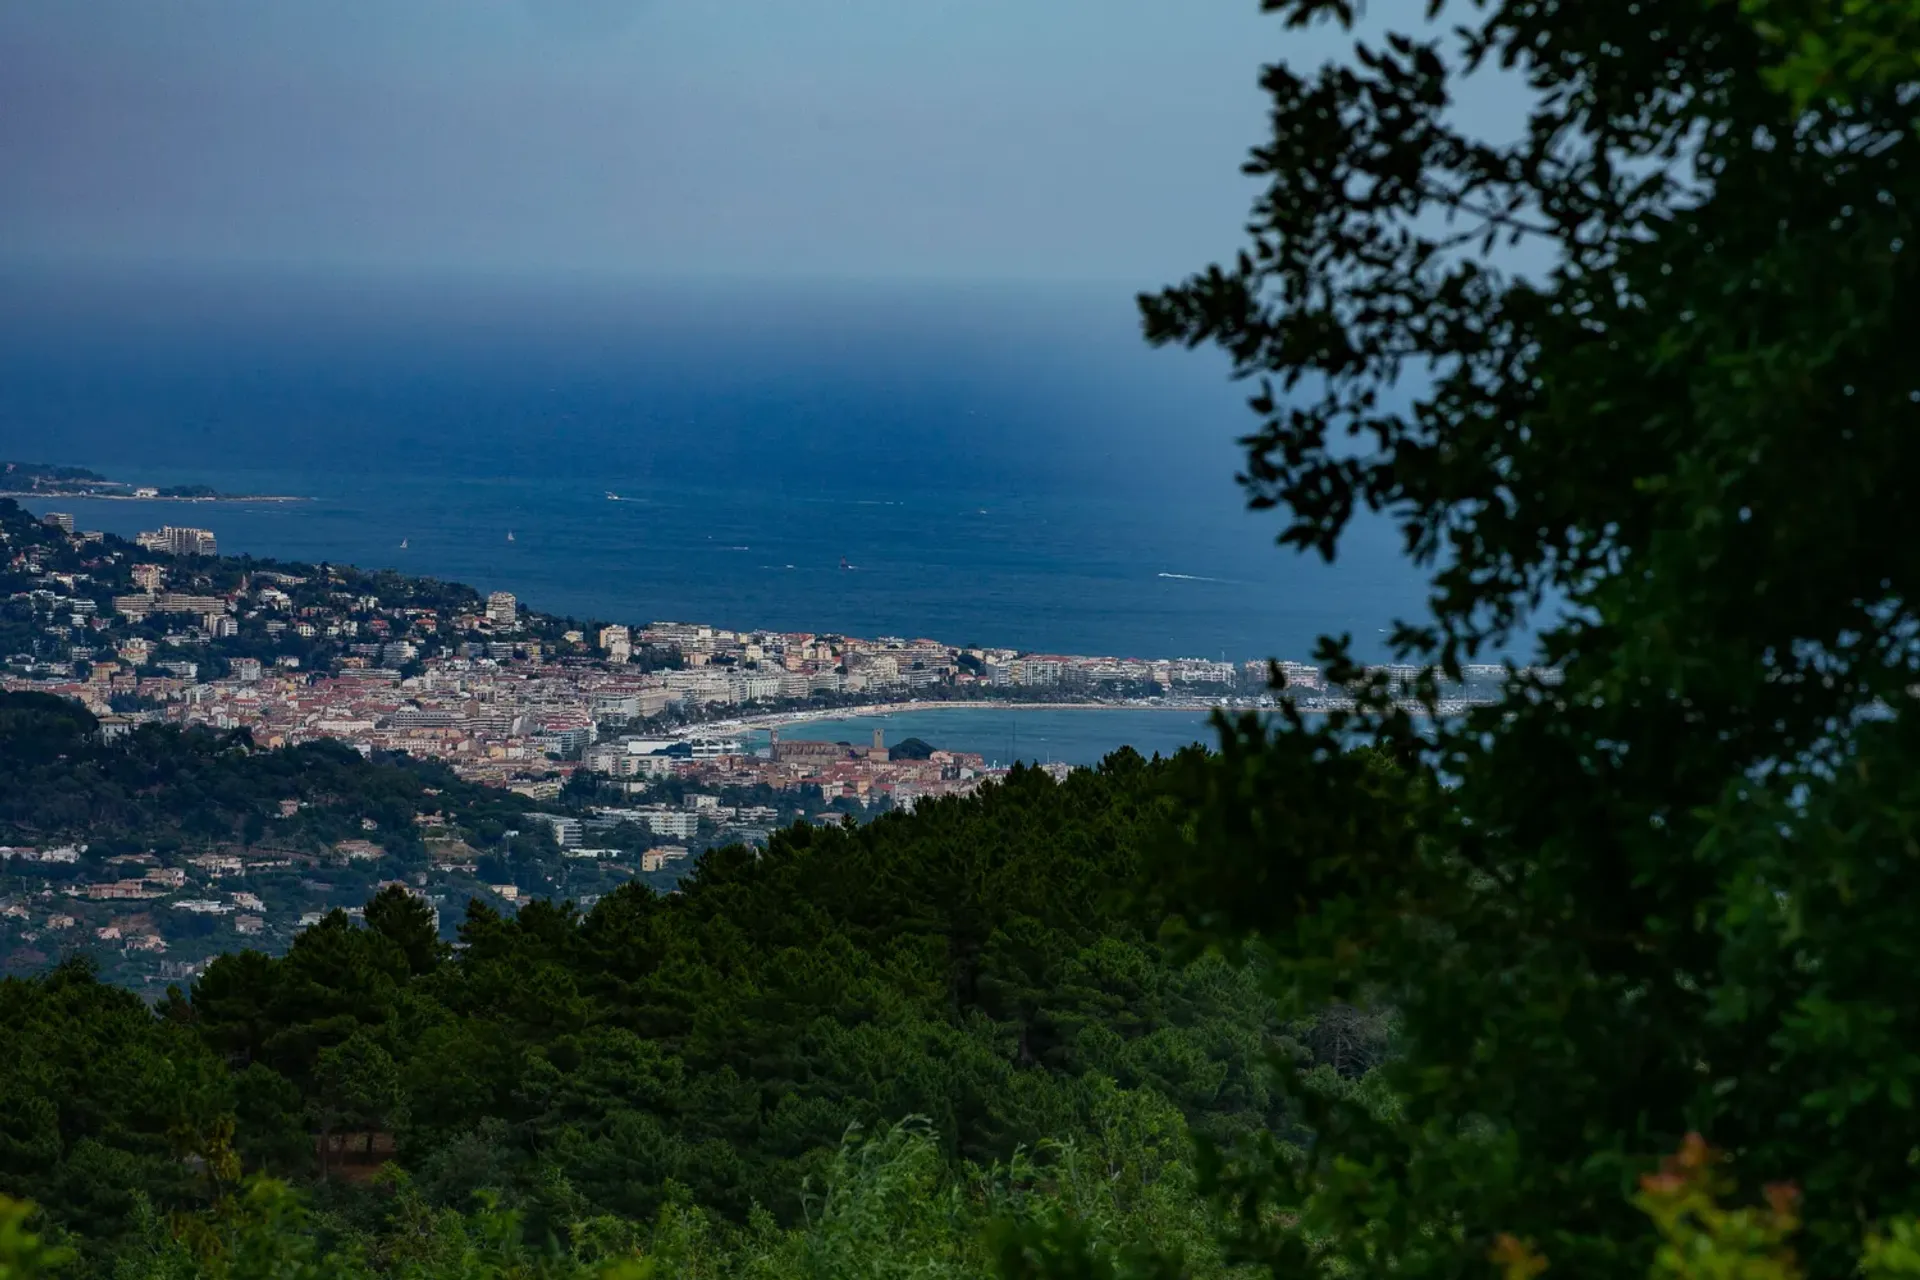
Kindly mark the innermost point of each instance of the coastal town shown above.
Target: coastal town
(629, 748)
(165, 631)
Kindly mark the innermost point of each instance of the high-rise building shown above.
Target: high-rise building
(1038, 671)
(1302, 675)
(179, 542)
(502, 608)
(149, 577)
(181, 602)
(59, 520)
(618, 643)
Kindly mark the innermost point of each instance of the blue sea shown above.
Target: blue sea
(995, 466)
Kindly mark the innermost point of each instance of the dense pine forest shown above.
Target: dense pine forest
(973, 997)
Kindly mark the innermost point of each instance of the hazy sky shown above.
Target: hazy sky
(1008, 139)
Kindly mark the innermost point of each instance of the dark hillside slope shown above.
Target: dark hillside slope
(974, 962)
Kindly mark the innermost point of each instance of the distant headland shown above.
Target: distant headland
(44, 480)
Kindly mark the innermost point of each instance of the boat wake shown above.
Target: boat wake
(1188, 577)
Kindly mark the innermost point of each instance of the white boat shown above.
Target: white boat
(509, 535)
(403, 544)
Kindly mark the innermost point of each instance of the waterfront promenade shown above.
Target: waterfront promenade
(783, 719)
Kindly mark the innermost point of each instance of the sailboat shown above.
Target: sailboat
(509, 535)
(403, 544)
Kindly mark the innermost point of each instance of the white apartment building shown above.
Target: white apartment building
(179, 542)
(678, 823)
(617, 642)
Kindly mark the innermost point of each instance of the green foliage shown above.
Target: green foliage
(100, 1102)
(407, 922)
(885, 1205)
(43, 726)
(356, 1089)
(1699, 1238)
(171, 788)
(1671, 891)
(706, 1062)
(23, 1255)
(1831, 51)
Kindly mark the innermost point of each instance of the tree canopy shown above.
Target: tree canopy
(1669, 891)
(972, 967)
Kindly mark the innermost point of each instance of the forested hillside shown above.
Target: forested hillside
(159, 849)
(983, 965)
(164, 789)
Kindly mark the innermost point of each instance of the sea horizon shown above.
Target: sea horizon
(1008, 470)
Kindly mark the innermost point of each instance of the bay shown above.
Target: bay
(979, 466)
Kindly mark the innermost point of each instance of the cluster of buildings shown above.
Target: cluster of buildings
(156, 631)
(175, 542)
(132, 909)
(521, 723)
(504, 697)
(738, 667)
(816, 772)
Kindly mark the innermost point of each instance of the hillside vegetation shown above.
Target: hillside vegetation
(967, 982)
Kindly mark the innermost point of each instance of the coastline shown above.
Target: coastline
(41, 495)
(781, 719)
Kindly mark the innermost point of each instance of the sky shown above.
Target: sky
(1018, 140)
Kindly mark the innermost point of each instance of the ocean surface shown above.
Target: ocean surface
(994, 467)
(1037, 735)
